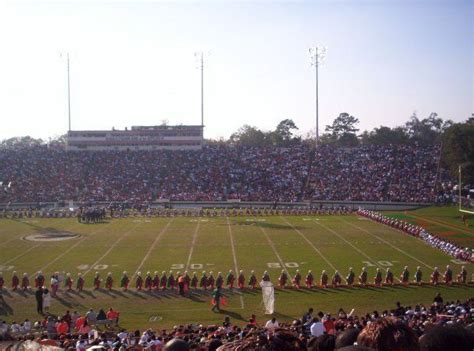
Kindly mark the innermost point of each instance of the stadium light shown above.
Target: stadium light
(200, 65)
(68, 90)
(317, 55)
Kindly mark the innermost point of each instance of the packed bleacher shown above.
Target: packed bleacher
(220, 172)
(439, 326)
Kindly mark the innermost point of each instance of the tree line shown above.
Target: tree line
(457, 139)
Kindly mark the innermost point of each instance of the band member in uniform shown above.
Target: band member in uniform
(15, 281)
(405, 276)
(324, 279)
(378, 277)
(54, 284)
(297, 279)
(156, 281)
(435, 276)
(230, 280)
(124, 281)
(282, 279)
(148, 281)
(350, 277)
(79, 282)
(203, 281)
(163, 281)
(219, 280)
(25, 282)
(363, 277)
(194, 281)
(418, 276)
(186, 281)
(336, 279)
(389, 277)
(309, 280)
(241, 280)
(97, 281)
(211, 281)
(39, 280)
(448, 275)
(139, 281)
(68, 282)
(252, 280)
(171, 281)
(462, 276)
(109, 282)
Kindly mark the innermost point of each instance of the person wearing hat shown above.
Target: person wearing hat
(363, 277)
(148, 281)
(203, 281)
(462, 276)
(252, 280)
(68, 282)
(156, 281)
(241, 280)
(389, 277)
(216, 299)
(194, 281)
(97, 281)
(418, 276)
(325, 279)
(80, 282)
(139, 281)
(350, 277)
(25, 282)
(297, 279)
(109, 281)
(378, 277)
(124, 281)
(282, 279)
(163, 281)
(309, 279)
(230, 279)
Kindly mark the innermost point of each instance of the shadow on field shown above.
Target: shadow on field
(69, 304)
(233, 315)
(268, 225)
(5, 308)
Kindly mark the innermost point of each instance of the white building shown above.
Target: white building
(137, 138)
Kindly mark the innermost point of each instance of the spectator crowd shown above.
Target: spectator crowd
(439, 326)
(221, 172)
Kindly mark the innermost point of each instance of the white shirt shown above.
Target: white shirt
(270, 325)
(317, 329)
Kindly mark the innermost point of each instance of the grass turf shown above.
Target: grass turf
(218, 244)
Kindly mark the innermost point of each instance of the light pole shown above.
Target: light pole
(68, 90)
(317, 55)
(200, 61)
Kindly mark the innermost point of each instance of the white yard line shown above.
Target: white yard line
(193, 243)
(8, 241)
(272, 245)
(390, 244)
(73, 246)
(110, 249)
(234, 256)
(152, 247)
(355, 248)
(20, 255)
(312, 246)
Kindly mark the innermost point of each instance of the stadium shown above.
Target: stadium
(158, 237)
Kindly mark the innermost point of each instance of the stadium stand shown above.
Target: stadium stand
(404, 328)
(220, 172)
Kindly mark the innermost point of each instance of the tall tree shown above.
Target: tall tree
(343, 130)
(283, 134)
(458, 149)
(250, 136)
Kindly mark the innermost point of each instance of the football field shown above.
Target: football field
(216, 244)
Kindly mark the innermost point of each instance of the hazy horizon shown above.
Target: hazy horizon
(133, 63)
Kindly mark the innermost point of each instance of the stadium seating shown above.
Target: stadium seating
(220, 172)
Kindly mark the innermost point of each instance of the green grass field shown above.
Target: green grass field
(219, 244)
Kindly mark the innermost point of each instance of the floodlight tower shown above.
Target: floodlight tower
(68, 90)
(200, 65)
(317, 55)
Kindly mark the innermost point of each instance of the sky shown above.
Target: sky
(133, 63)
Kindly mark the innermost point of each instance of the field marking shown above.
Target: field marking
(6, 242)
(20, 255)
(111, 248)
(193, 243)
(312, 245)
(73, 246)
(234, 256)
(150, 250)
(446, 224)
(272, 245)
(355, 247)
(388, 243)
